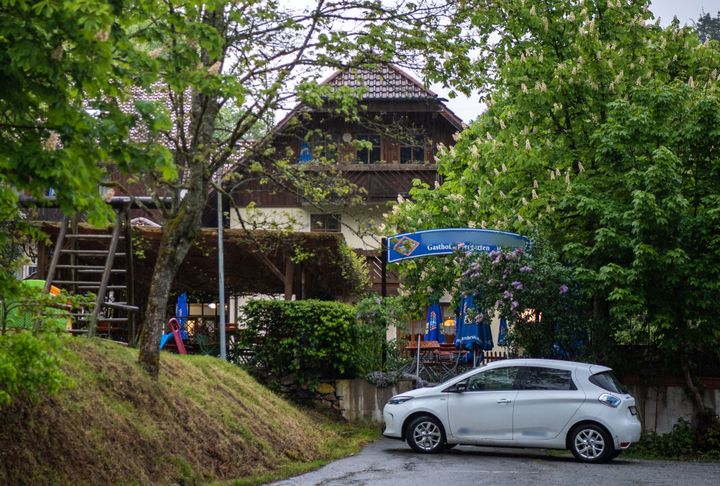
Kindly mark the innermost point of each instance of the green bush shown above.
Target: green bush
(374, 316)
(683, 442)
(29, 365)
(308, 339)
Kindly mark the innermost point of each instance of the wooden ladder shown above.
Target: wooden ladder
(76, 262)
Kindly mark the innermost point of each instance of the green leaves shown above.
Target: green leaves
(307, 339)
(601, 136)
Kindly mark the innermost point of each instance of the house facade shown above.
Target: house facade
(377, 155)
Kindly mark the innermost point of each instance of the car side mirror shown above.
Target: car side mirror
(461, 387)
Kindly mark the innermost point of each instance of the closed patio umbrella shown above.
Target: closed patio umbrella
(434, 318)
(503, 332)
(469, 332)
(181, 314)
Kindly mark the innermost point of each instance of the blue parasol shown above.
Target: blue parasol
(485, 333)
(503, 332)
(434, 319)
(469, 332)
(181, 314)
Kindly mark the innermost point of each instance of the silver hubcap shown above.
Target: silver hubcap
(589, 443)
(427, 436)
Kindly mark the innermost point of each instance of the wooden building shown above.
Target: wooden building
(377, 156)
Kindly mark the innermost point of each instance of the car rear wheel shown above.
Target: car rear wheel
(425, 434)
(590, 443)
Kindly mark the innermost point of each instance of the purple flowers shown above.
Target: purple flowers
(517, 285)
(563, 289)
(526, 269)
(513, 305)
(507, 294)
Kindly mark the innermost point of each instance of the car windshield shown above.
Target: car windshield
(607, 381)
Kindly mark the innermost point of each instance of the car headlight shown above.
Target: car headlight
(398, 400)
(610, 400)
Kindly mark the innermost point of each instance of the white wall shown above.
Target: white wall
(298, 219)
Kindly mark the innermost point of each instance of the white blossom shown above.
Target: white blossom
(502, 124)
(504, 167)
(523, 88)
(471, 224)
(535, 183)
(534, 194)
(580, 167)
(502, 194)
(497, 172)
(527, 144)
(52, 142)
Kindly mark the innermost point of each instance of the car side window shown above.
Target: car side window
(496, 379)
(537, 378)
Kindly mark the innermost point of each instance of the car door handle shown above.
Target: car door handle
(503, 401)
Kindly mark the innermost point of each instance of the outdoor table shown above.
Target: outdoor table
(427, 348)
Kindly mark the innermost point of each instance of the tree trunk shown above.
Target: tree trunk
(178, 234)
(289, 277)
(690, 387)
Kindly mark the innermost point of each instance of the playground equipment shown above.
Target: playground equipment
(174, 326)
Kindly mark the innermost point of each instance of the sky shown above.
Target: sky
(686, 11)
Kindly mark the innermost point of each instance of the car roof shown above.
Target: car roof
(548, 363)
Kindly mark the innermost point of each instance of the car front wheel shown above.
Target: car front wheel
(590, 443)
(425, 434)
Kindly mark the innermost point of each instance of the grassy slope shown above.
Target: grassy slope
(203, 421)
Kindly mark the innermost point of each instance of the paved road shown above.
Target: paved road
(392, 463)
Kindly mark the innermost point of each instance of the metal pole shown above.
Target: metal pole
(383, 268)
(383, 293)
(417, 370)
(221, 270)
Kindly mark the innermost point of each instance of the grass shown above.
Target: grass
(203, 421)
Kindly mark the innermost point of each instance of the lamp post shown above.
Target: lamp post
(221, 269)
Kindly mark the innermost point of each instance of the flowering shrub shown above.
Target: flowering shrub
(539, 297)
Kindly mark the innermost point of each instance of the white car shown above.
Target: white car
(520, 403)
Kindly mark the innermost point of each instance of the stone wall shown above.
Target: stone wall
(356, 399)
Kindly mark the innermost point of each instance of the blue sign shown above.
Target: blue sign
(448, 240)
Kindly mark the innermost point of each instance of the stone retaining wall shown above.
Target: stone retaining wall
(660, 405)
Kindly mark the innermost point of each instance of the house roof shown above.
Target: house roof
(388, 82)
(384, 83)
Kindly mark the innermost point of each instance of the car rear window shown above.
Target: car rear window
(607, 381)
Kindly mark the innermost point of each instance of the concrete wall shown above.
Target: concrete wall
(661, 406)
(359, 399)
